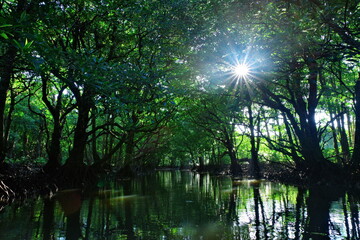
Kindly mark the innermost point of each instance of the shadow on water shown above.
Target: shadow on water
(183, 205)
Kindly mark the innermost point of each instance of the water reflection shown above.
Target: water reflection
(183, 205)
(48, 219)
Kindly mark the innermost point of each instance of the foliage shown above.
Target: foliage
(149, 83)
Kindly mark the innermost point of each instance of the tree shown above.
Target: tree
(15, 22)
(298, 84)
(58, 113)
(218, 114)
(342, 19)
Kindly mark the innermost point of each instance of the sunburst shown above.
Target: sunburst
(241, 70)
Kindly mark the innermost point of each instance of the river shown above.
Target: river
(185, 205)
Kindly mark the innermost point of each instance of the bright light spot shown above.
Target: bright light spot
(241, 70)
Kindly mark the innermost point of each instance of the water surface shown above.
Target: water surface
(185, 205)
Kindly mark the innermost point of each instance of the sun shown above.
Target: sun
(241, 70)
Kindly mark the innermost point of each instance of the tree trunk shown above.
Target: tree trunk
(235, 168)
(76, 156)
(350, 128)
(201, 164)
(294, 154)
(7, 64)
(109, 142)
(343, 138)
(130, 146)
(314, 158)
(126, 170)
(94, 151)
(310, 141)
(355, 160)
(54, 152)
(254, 162)
(335, 141)
(105, 160)
(6, 71)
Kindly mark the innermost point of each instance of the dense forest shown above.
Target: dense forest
(128, 86)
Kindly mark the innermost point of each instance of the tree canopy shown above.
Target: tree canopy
(138, 84)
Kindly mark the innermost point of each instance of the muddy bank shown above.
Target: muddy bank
(20, 181)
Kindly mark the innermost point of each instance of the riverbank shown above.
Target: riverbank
(278, 172)
(21, 181)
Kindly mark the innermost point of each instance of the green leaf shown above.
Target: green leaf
(4, 35)
(5, 25)
(17, 44)
(28, 44)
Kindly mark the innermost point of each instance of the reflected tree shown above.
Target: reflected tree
(260, 225)
(318, 212)
(73, 228)
(89, 218)
(128, 212)
(354, 218)
(231, 214)
(298, 212)
(48, 219)
(71, 203)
